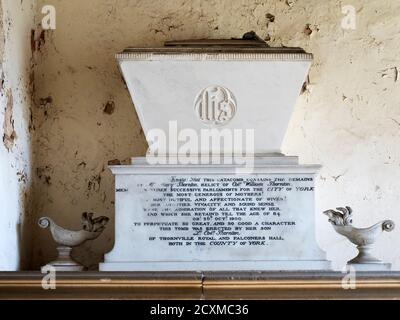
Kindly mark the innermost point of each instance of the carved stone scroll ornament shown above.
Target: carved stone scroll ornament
(341, 220)
(67, 239)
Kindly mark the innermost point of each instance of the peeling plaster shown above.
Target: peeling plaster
(16, 126)
(109, 107)
(348, 122)
(9, 135)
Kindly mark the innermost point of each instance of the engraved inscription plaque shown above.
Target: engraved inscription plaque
(205, 221)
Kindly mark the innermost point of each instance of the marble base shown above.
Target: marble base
(64, 261)
(211, 218)
(267, 265)
(370, 266)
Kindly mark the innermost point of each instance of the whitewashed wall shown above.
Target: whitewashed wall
(348, 120)
(15, 130)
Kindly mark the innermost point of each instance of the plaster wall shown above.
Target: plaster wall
(16, 128)
(347, 119)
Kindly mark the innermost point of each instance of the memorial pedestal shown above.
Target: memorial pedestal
(209, 218)
(182, 215)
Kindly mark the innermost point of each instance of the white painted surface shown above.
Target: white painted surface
(15, 163)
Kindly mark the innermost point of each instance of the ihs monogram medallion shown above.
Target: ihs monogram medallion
(215, 105)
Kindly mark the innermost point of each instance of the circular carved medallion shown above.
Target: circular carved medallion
(215, 105)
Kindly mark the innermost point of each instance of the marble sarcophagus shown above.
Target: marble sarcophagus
(214, 191)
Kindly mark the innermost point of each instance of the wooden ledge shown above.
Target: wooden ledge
(102, 285)
(197, 285)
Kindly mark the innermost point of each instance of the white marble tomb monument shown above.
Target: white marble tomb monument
(181, 212)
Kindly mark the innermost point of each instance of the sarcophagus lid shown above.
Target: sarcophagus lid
(220, 84)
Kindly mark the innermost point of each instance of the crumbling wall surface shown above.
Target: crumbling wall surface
(347, 118)
(17, 21)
